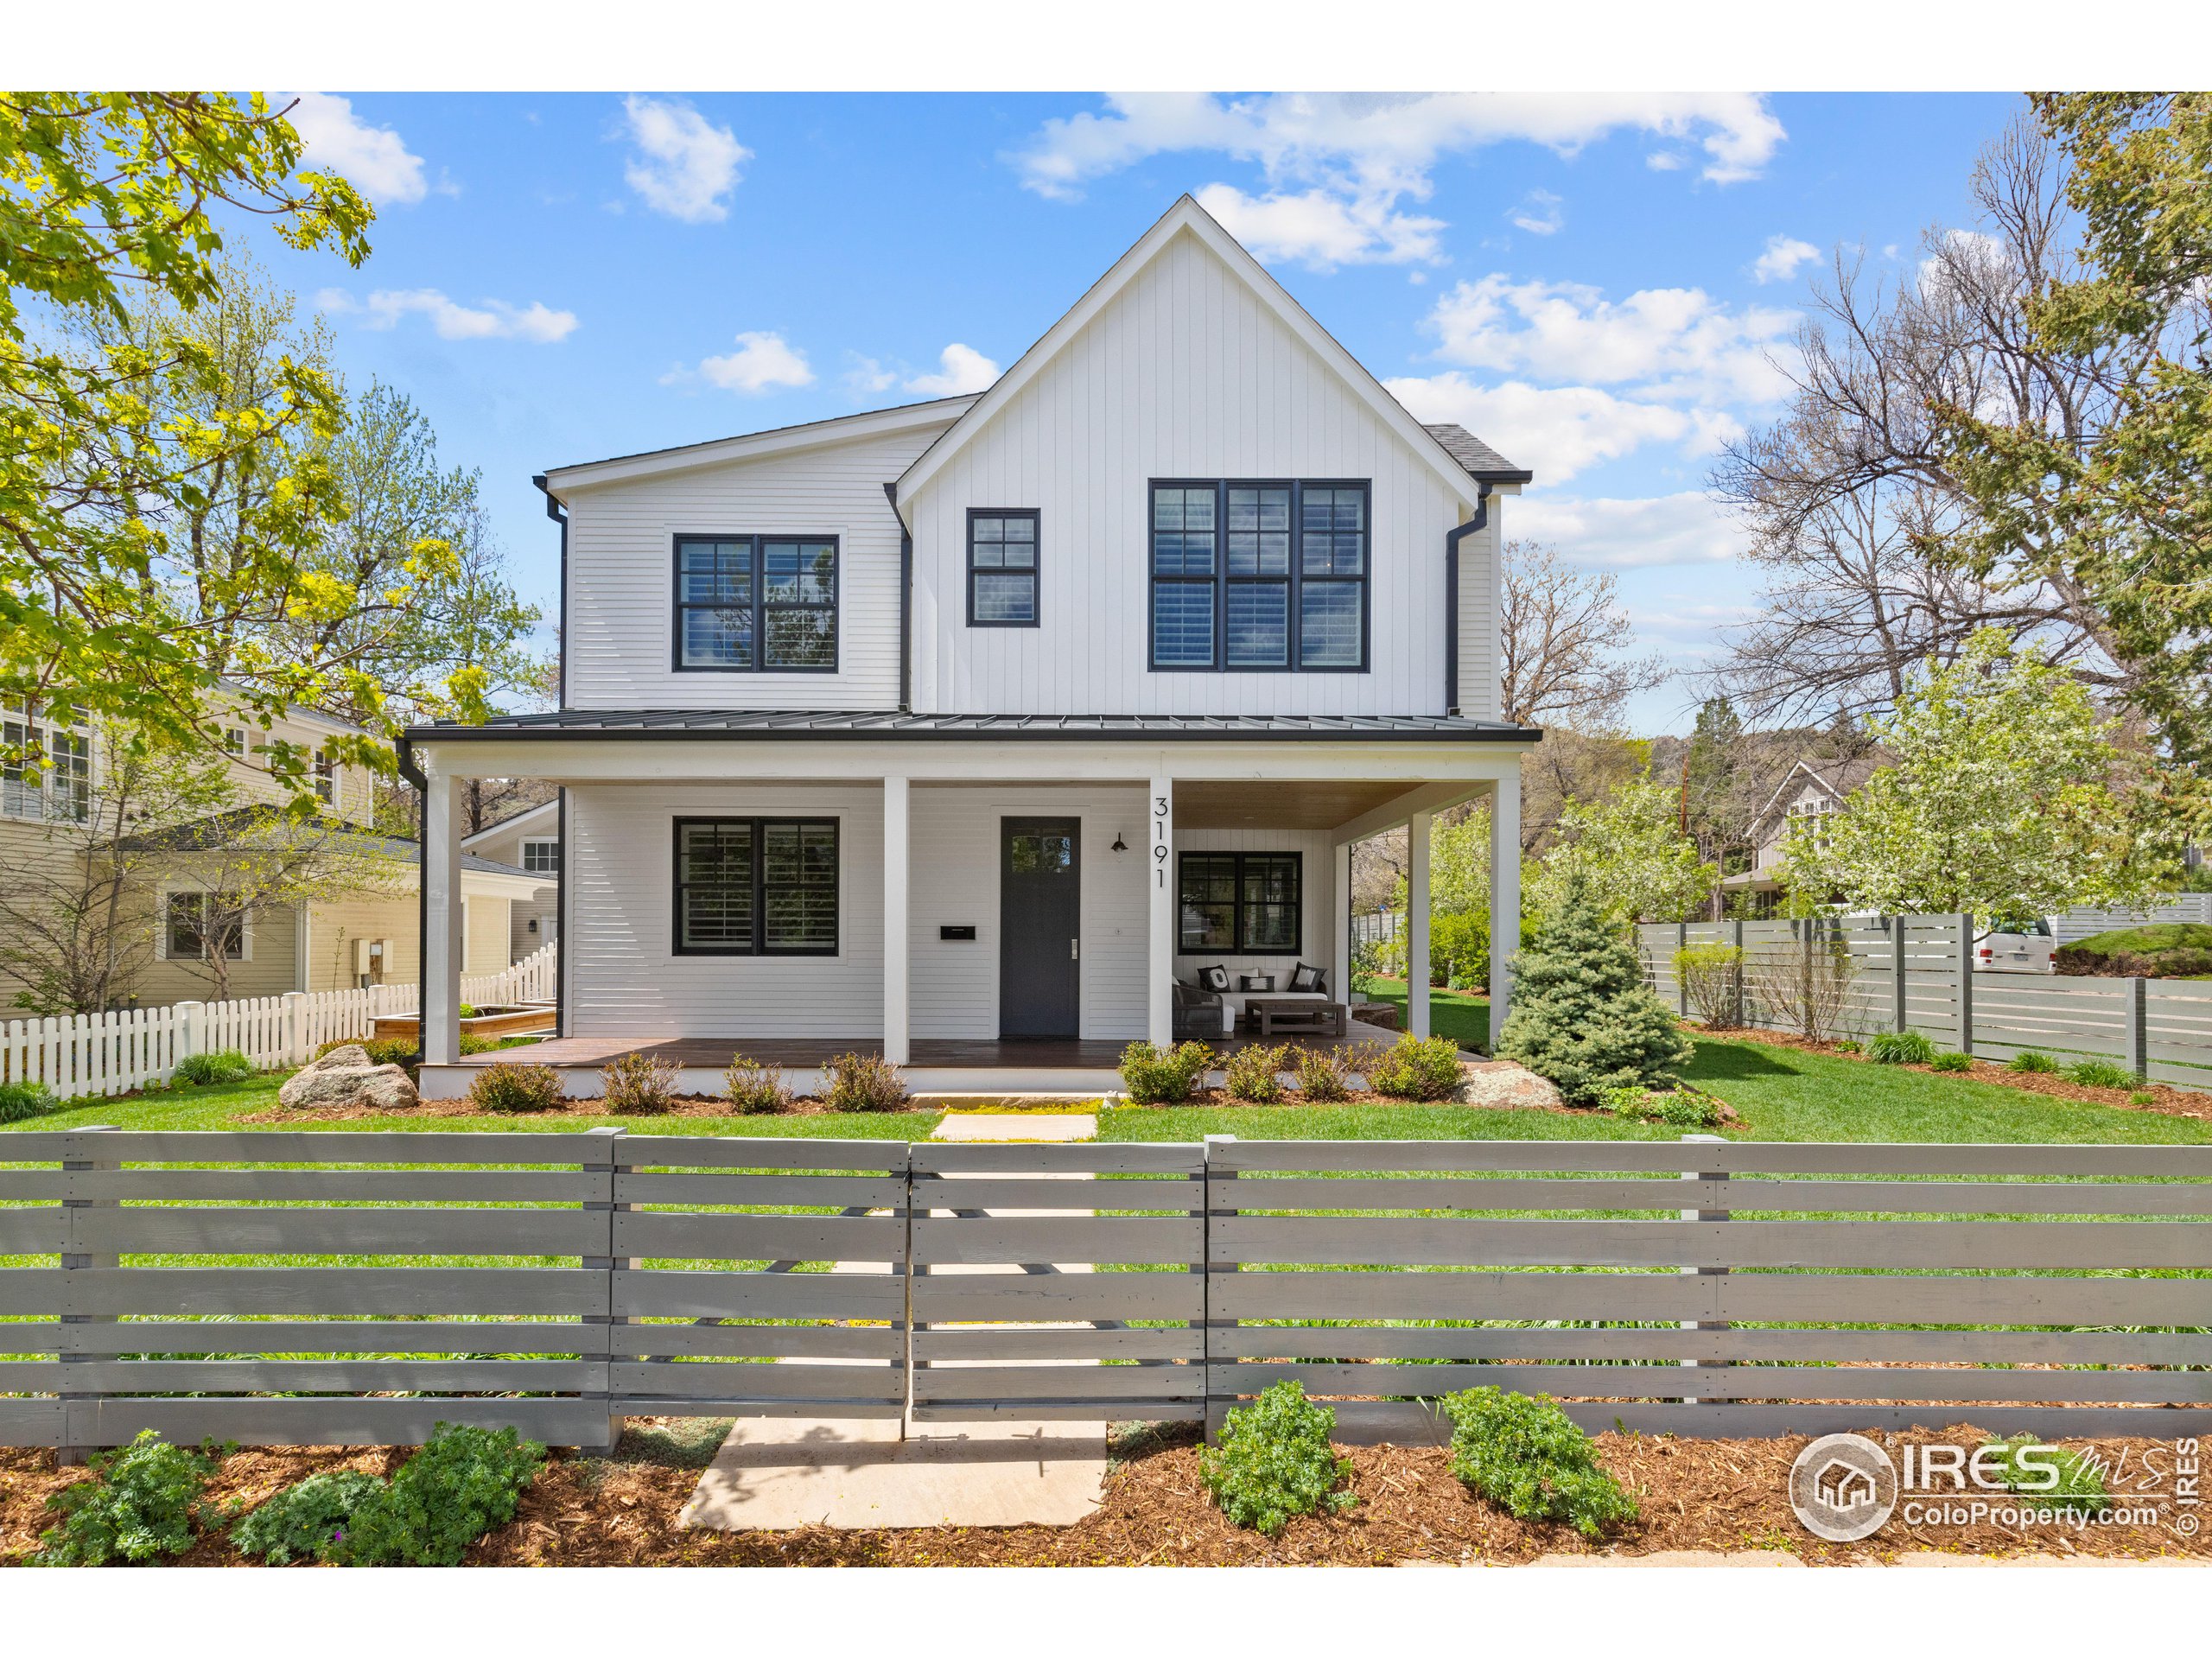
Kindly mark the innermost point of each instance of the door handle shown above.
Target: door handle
(1074, 954)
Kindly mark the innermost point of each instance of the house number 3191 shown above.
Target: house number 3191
(1159, 840)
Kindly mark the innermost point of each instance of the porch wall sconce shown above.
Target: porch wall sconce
(1120, 846)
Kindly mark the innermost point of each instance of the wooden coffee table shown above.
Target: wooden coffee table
(1297, 1016)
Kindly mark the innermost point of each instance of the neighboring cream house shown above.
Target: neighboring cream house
(964, 731)
(1810, 793)
(363, 937)
(529, 841)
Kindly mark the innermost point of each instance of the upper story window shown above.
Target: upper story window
(1001, 568)
(541, 854)
(756, 604)
(46, 765)
(1254, 576)
(325, 778)
(234, 742)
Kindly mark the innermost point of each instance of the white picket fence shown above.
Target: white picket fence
(107, 1054)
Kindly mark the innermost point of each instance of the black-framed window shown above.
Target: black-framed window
(1240, 904)
(192, 922)
(1258, 576)
(1002, 568)
(541, 854)
(756, 604)
(756, 887)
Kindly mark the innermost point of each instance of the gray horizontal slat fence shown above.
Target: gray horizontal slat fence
(1058, 1282)
(1381, 1275)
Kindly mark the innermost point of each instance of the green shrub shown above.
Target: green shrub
(1274, 1460)
(1712, 977)
(1322, 1073)
(2100, 1074)
(1683, 1107)
(1417, 1067)
(224, 1065)
(2033, 1061)
(1164, 1077)
(755, 1087)
(1458, 944)
(865, 1082)
(2142, 1098)
(304, 1522)
(514, 1087)
(457, 1488)
(19, 1101)
(1900, 1048)
(469, 1010)
(2079, 1488)
(639, 1084)
(381, 1051)
(139, 1505)
(1950, 1060)
(1525, 1455)
(1582, 1015)
(1252, 1073)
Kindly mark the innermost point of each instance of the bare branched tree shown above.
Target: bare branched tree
(1564, 634)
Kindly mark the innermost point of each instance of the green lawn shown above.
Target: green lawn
(1460, 1015)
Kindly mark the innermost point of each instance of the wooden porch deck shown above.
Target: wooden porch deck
(1014, 1054)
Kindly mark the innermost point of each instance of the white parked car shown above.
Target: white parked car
(2029, 951)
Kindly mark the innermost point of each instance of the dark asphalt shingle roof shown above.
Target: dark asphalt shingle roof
(223, 830)
(1478, 458)
(800, 723)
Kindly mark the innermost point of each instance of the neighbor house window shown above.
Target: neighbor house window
(325, 778)
(1259, 575)
(756, 887)
(234, 742)
(1001, 568)
(46, 765)
(192, 921)
(1239, 904)
(541, 855)
(756, 604)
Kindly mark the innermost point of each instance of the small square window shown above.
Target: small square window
(1002, 572)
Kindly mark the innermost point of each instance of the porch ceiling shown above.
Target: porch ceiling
(1245, 804)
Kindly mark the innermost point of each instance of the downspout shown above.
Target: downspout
(1452, 537)
(559, 516)
(905, 603)
(414, 774)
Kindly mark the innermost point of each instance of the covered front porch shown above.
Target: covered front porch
(992, 912)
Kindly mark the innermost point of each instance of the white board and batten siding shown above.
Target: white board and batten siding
(621, 574)
(1185, 373)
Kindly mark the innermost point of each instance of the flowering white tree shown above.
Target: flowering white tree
(1629, 851)
(2008, 800)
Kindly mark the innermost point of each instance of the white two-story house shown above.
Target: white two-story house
(961, 731)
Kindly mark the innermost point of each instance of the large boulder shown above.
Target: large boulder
(346, 1076)
(1503, 1084)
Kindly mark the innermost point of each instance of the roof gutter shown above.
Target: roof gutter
(1452, 537)
(905, 601)
(1483, 731)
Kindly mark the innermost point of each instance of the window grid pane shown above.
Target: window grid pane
(1002, 542)
(1182, 624)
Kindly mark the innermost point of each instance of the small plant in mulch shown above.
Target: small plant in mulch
(1156, 1076)
(1900, 1048)
(304, 1522)
(2100, 1074)
(141, 1503)
(1274, 1460)
(1416, 1068)
(1527, 1456)
(639, 1084)
(1682, 1107)
(864, 1082)
(1951, 1060)
(2049, 1478)
(2033, 1062)
(1324, 1074)
(511, 1087)
(1253, 1074)
(461, 1484)
(755, 1088)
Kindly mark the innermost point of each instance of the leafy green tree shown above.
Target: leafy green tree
(1582, 1015)
(2007, 799)
(1629, 853)
(1458, 896)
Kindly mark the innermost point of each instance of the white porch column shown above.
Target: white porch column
(897, 955)
(1340, 940)
(442, 915)
(1505, 897)
(1160, 974)
(1417, 924)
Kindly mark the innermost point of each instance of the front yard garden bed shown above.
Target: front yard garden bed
(1695, 1495)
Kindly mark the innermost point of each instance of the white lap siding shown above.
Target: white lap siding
(1317, 882)
(624, 976)
(956, 853)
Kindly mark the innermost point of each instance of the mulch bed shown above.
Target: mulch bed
(2165, 1100)
(683, 1106)
(1700, 1495)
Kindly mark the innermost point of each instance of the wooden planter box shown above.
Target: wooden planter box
(500, 1022)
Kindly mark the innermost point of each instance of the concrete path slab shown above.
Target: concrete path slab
(853, 1474)
(1017, 1126)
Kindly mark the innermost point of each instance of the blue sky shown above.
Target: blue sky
(1593, 284)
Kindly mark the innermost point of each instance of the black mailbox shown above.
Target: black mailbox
(966, 932)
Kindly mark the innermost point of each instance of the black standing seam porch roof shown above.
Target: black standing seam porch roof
(852, 723)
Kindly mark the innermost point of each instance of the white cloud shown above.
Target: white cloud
(961, 369)
(686, 164)
(1688, 528)
(374, 160)
(1321, 230)
(491, 320)
(1782, 257)
(1673, 343)
(1558, 431)
(1538, 213)
(868, 377)
(763, 361)
(1338, 165)
(1664, 160)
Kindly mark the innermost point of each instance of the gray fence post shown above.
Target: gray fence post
(1964, 969)
(1224, 1204)
(1703, 1175)
(2139, 1028)
(1898, 1017)
(77, 1443)
(603, 1159)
